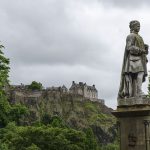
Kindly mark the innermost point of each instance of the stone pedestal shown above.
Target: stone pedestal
(133, 115)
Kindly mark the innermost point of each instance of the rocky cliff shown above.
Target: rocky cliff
(76, 111)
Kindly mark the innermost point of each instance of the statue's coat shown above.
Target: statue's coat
(134, 43)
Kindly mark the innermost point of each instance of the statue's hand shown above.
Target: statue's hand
(146, 46)
(144, 51)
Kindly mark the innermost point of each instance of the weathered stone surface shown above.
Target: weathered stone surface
(132, 130)
(134, 101)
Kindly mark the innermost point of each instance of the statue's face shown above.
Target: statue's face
(137, 27)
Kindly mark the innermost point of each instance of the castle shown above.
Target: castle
(83, 89)
(80, 89)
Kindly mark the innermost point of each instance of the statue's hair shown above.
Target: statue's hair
(133, 23)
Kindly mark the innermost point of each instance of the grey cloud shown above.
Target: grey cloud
(43, 36)
(132, 4)
(48, 36)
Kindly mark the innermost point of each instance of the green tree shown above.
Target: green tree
(90, 139)
(4, 105)
(3, 146)
(35, 86)
(17, 113)
(110, 146)
(43, 137)
(7, 112)
(4, 70)
(33, 147)
(56, 121)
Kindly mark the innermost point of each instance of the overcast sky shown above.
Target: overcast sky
(56, 42)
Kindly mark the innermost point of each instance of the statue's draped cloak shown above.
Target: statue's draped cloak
(123, 90)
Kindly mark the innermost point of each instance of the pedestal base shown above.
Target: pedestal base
(134, 124)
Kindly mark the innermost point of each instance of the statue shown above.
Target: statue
(134, 68)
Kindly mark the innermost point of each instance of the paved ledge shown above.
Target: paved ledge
(134, 101)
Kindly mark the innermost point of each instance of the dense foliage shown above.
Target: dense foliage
(4, 69)
(4, 105)
(35, 86)
(45, 138)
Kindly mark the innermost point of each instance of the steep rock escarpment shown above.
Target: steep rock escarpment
(76, 111)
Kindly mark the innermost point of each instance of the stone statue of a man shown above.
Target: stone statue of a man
(134, 69)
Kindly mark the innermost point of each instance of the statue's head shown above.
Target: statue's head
(134, 26)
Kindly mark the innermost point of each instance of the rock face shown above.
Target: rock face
(77, 111)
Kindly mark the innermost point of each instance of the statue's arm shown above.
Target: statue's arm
(131, 47)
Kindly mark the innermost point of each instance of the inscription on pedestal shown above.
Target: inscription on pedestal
(132, 139)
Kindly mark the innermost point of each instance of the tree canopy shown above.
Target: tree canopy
(35, 86)
(4, 105)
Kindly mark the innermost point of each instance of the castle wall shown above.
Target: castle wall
(90, 94)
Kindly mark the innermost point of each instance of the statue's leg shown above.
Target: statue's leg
(139, 83)
(134, 85)
(129, 82)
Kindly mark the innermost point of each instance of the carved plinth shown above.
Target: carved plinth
(134, 123)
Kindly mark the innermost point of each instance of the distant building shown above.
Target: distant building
(19, 87)
(62, 89)
(84, 90)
